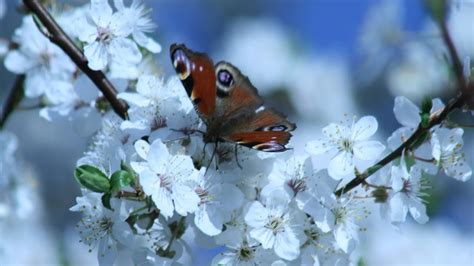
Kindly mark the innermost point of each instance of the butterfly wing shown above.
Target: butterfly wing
(229, 103)
(196, 71)
(244, 119)
(267, 131)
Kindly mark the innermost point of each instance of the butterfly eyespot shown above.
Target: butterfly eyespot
(181, 64)
(225, 78)
(275, 128)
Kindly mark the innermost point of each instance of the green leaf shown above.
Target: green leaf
(426, 105)
(425, 120)
(121, 179)
(361, 262)
(106, 200)
(92, 178)
(437, 9)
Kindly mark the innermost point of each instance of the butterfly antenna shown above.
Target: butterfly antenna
(237, 157)
(212, 157)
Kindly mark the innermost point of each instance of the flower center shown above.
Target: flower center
(165, 181)
(276, 224)
(45, 58)
(297, 184)
(104, 35)
(203, 194)
(245, 253)
(346, 145)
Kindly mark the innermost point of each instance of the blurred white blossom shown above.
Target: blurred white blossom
(48, 69)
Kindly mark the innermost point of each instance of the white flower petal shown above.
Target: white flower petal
(124, 51)
(335, 132)
(287, 245)
(256, 215)
(36, 83)
(231, 197)
(18, 63)
(264, 236)
(185, 199)
(435, 147)
(134, 98)
(418, 211)
(437, 105)
(100, 12)
(97, 56)
(142, 147)
(208, 220)
(163, 201)
(364, 128)
(398, 208)
(342, 165)
(316, 147)
(407, 113)
(368, 150)
(459, 170)
(343, 239)
(147, 42)
(158, 157)
(398, 137)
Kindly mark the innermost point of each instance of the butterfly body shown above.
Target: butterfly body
(228, 103)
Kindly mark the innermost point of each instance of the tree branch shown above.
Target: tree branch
(14, 97)
(435, 118)
(59, 37)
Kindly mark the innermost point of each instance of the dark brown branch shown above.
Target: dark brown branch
(453, 54)
(59, 37)
(13, 98)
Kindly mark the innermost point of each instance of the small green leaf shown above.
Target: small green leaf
(425, 120)
(92, 178)
(437, 9)
(426, 105)
(121, 179)
(106, 200)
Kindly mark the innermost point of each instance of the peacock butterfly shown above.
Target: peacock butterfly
(228, 103)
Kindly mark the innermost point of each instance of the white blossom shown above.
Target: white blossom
(48, 69)
(141, 24)
(105, 34)
(102, 227)
(217, 201)
(407, 192)
(276, 225)
(345, 143)
(169, 179)
(446, 145)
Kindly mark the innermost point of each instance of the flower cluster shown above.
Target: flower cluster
(152, 188)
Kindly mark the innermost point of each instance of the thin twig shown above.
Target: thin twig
(59, 37)
(13, 98)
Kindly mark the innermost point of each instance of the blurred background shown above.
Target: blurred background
(316, 60)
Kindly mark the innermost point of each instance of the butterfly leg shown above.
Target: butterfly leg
(237, 157)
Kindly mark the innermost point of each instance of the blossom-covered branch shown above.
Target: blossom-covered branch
(59, 37)
(434, 119)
